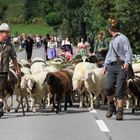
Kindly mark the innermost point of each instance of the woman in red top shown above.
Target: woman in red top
(82, 47)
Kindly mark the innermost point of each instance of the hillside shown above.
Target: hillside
(16, 11)
(15, 8)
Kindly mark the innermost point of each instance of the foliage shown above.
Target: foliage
(3, 9)
(53, 19)
(78, 17)
(128, 12)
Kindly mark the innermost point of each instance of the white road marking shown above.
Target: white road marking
(102, 126)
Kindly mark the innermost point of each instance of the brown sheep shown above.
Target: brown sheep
(60, 85)
(133, 85)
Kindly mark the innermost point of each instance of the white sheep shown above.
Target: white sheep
(136, 67)
(22, 93)
(37, 65)
(78, 78)
(95, 82)
(24, 63)
(50, 69)
(35, 87)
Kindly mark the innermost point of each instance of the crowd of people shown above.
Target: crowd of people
(52, 43)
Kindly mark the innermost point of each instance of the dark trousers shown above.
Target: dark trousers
(29, 53)
(46, 50)
(116, 77)
(3, 82)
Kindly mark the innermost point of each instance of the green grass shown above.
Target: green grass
(16, 10)
(31, 29)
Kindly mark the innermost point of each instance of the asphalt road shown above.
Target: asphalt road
(75, 124)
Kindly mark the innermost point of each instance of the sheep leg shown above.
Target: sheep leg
(44, 101)
(58, 105)
(11, 102)
(96, 100)
(21, 101)
(128, 101)
(53, 100)
(136, 103)
(91, 101)
(57, 109)
(81, 100)
(49, 100)
(70, 101)
(127, 104)
(33, 105)
(17, 99)
(133, 108)
(28, 107)
(7, 108)
(66, 101)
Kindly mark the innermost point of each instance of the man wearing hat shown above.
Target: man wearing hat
(6, 52)
(116, 64)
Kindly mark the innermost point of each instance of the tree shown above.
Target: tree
(3, 9)
(76, 26)
(31, 8)
(80, 17)
(128, 12)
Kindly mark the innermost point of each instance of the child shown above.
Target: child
(66, 54)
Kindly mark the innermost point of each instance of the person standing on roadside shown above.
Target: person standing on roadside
(52, 49)
(82, 48)
(100, 44)
(116, 65)
(67, 45)
(6, 52)
(29, 42)
(91, 42)
(45, 41)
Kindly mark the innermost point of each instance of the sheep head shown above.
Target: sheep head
(28, 83)
(134, 85)
(51, 79)
(77, 84)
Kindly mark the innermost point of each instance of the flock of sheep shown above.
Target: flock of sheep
(48, 86)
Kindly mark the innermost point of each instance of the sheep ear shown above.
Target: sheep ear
(30, 84)
(88, 75)
(22, 83)
(93, 77)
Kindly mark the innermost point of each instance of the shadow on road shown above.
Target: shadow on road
(42, 113)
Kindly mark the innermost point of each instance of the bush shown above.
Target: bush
(53, 19)
(38, 20)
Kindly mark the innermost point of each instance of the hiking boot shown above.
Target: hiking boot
(1, 109)
(119, 114)
(111, 109)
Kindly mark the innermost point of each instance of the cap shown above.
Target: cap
(4, 27)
